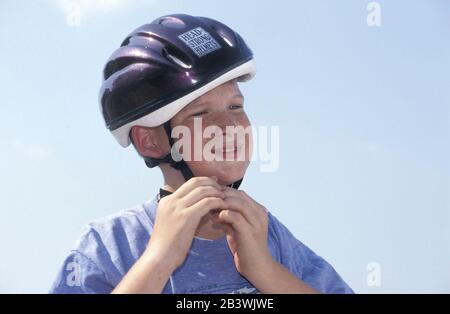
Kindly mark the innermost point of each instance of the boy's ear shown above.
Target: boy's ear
(150, 142)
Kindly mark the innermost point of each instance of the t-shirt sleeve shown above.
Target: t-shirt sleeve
(304, 263)
(80, 275)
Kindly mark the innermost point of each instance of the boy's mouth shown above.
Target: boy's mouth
(226, 150)
(228, 154)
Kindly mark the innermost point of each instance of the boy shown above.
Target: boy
(200, 234)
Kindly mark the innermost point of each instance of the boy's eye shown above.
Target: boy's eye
(198, 114)
(235, 106)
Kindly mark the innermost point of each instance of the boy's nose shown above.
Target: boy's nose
(226, 121)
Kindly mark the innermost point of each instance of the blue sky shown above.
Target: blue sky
(364, 120)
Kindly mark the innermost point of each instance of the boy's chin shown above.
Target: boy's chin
(228, 175)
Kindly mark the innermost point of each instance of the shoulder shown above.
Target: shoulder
(131, 222)
(124, 231)
(105, 251)
(286, 241)
(303, 262)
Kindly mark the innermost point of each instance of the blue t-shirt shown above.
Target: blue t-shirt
(110, 246)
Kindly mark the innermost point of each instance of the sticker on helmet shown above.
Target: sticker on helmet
(200, 41)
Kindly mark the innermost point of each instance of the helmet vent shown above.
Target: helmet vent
(172, 56)
(172, 22)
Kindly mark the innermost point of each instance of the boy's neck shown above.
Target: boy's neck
(173, 178)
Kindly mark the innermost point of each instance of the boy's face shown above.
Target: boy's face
(220, 107)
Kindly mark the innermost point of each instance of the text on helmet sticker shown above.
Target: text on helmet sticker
(200, 41)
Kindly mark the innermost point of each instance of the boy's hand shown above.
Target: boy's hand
(246, 228)
(178, 216)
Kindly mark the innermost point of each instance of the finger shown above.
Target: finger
(244, 208)
(195, 182)
(235, 219)
(251, 200)
(259, 211)
(206, 204)
(239, 194)
(231, 242)
(199, 193)
(226, 227)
